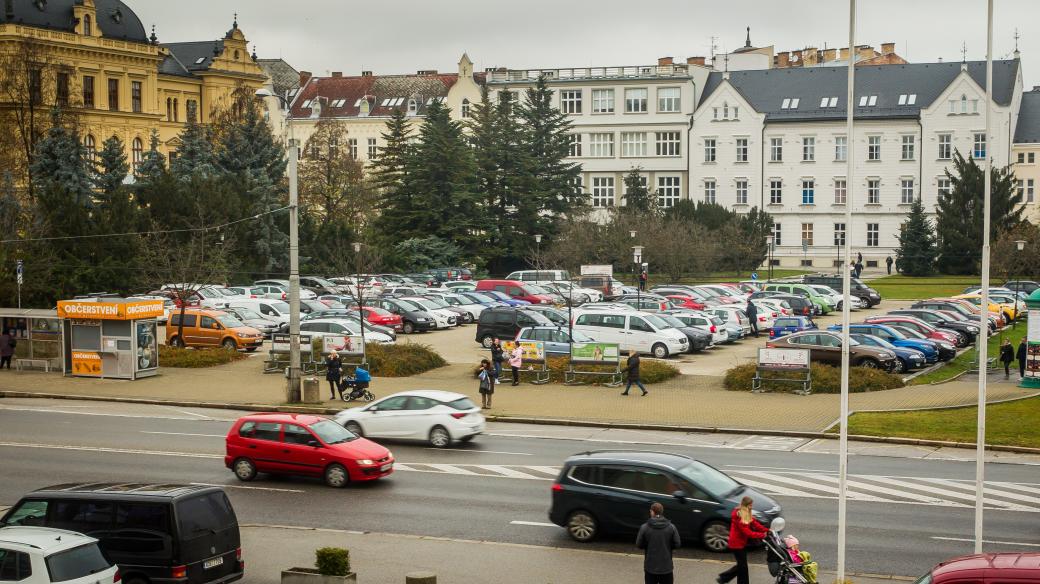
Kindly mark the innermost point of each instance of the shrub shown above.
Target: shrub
(332, 561)
(195, 358)
(402, 359)
(650, 371)
(825, 379)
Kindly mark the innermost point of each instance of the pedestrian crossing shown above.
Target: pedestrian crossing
(865, 488)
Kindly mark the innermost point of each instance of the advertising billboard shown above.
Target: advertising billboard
(783, 358)
(605, 353)
(534, 351)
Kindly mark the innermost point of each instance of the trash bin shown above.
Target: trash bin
(311, 390)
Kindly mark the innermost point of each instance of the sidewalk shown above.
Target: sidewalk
(385, 559)
(688, 400)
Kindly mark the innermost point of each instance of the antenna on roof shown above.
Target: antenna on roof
(714, 45)
(747, 43)
(1016, 42)
(964, 52)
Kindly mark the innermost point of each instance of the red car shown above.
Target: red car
(296, 444)
(375, 315)
(1002, 568)
(680, 301)
(920, 326)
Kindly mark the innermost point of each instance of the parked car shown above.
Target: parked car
(504, 323)
(991, 568)
(248, 291)
(438, 417)
(556, 340)
(766, 314)
(517, 290)
(922, 327)
(555, 315)
(633, 331)
(947, 350)
(1027, 286)
(250, 317)
(825, 347)
(320, 285)
(540, 276)
(603, 284)
(943, 321)
(800, 305)
(487, 300)
(413, 318)
(277, 310)
(461, 285)
(698, 339)
(445, 318)
(868, 295)
(835, 298)
(734, 315)
(906, 359)
(644, 304)
(1006, 311)
(202, 327)
(958, 306)
(609, 492)
(929, 349)
(343, 326)
(685, 301)
(706, 323)
(40, 555)
(381, 317)
(472, 307)
(822, 306)
(790, 324)
(503, 298)
(462, 315)
(297, 444)
(571, 294)
(351, 316)
(284, 286)
(153, 532)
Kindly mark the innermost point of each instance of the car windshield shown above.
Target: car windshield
(437, 302)
(909, 333)
(229, 321)
(671, 320)
(463, 403)
(409, 305)
(247, 313)
(281, 307)
(656, 321)
(536, 289)
(926, 579)
(423, 303)
(714, 482)
(332, 433)
(226, 292)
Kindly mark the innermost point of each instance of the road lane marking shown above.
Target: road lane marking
(185, 434)
(533, 523)
(276, 490)
(778, 490)
(887, 491)
(986, 489)
(950, 494)
(506, 471)
(150, 417)
(110, 450)
(1016, 486)
(784, 468)
(968, 539)
(469, 450)
(203, 416)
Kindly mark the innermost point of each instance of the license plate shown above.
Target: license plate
(212, 563)
(386, 467)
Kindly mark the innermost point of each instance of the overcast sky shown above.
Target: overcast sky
(407, 35)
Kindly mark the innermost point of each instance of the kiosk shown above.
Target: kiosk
(114, 337)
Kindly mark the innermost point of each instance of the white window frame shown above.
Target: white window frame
(841, 191)
(906, 191)
(808, 149)
(874, 148)
(776, 191)
(603, 191)
(373, 148)
(668, 143)
(574, 146)
(839, 235)
(873, 191)
(601, 145)
(603, 101)
(570, 101)
(710, 190)
(945, 146)
(633, 144)
(742, 150)
(741, 185)
(908, 147)
(669, 190)
(978, 138)
(710, 149)
(841, 148)
(808, 191)
(352, 146)
(1030, 190)
(873, 234)
(777, 233)
(776, 149)
(667, 103)
(943, 186)
(807, 234)
(636, 99)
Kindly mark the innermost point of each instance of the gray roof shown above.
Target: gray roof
(1028, 129)
(766, 89)
(196, 56)
(114, 18)
(283, 76)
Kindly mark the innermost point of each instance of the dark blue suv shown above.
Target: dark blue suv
(610, 492)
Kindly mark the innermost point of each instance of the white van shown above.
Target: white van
(540, 276)
(638, 331)
(268, 307)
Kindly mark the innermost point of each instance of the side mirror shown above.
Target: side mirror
(313, 443)
(680, 495)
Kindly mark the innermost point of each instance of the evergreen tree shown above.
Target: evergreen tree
(195, 154)
(153, 162)
(712, 216)
(484, 137)
(111, 168)
(514, 213)
(61, 165)
(249, 146)
(960, 214)
(916, 254)
(637, 197)
(392, 172)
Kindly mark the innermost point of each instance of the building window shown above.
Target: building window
(633, 144)
(352, 147)
(113, 94)
(602, 101)
(169, 109)
(839, 234)
(413, 106)
(570, 101)
(944, 188)
(1029, 190)
(841, 148)
(742, 191)
(635, 101)
(62, 89)
(88, 91)
(668, 191)
(191, 108)
(979, 148)
(873, 192)
(807, 234)
(90, 145)
(602, 191)
(601, 145)
(709, 150)
(776, 149)
(776, 192)
(840, 191)
(176, 110)
(909, 145)
(372, 150)
(1031, 157)
(88, 25)
(742, 149)
(709, 191)
(137, 148)
(135, 99)
(574, 145)
(776, 234)
(668, 99)
(906, 191)
(668, 143)
(808, 192)
(35, 86)
(945, 146)
(872, 234)
(873, 147)
(1021, 158)
(808, 149)
(465, 108)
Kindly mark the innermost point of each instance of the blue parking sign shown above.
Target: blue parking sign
(754, 275)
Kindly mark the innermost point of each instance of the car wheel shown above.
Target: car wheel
(901, 366)
(715, 537)
(408, 328)
(487, 340)
(659, 351)
(354, 428)
(229, 344)
(176, 342)
(244, 469)
(582, 526)
(135, 580)
(439, 437)
(870, 364)
(336, 476)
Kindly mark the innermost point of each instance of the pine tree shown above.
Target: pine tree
(61, 165)
(392, 175)
(195, 154)
(153, 162)
(514, 212)
(484, 137)
(916, 254)
(111, 168)
(638, 198)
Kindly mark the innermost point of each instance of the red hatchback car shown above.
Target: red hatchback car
(383, 318)
(920, 326)
(680, 301)
(1003, 568)
(296, 444)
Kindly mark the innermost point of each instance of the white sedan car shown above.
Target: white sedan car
(439, 417)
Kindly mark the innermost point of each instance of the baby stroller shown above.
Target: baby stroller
(781, 566)
(358, 386)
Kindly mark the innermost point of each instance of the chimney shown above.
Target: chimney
(783, 59)
(305, 76)
(844, 54)
(865, 51)
(888, 48)
(366, 73)
(796, 56)
(695, 61)
(661, 62)
(426, 72)
(830, 55)
(811, 56)
(337, 74)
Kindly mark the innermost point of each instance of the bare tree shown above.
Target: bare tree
(332, 181)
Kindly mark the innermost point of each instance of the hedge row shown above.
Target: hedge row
(196, 358)
(825, 379)
(401, 359)
(650, 371)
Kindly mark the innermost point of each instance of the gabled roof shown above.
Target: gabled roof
(197, 55)
(114, 18)
(283, 76)
(341, 96)
(766, 89)
(1028, 129)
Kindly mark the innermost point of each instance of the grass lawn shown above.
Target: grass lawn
(1014, 423)
(969, 359)
(763, 274)
(910, 288)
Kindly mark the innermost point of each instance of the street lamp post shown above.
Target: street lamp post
(769, 258)
(360, 298)
(538, 251)
(632, 236)
(1019, 245)
(293, 382)
(637, 259)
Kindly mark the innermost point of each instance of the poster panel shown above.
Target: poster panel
(533, 351)
(605, 353)
(86, 363)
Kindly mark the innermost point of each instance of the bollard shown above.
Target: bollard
(420, 578)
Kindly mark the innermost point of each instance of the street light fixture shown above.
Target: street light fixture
(1020, 245)
(632, 235)
(538, 251)
(637, 260)
(293, 383)
(360, 297)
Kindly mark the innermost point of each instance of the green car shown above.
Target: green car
(809, 292)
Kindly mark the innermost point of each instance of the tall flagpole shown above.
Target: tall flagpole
(983, 338)
(846, 297)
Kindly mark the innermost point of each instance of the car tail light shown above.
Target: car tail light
(459, 415)
(712, 328)
(557, 487)
(117, 577)
(774, 315)
(179, 572)
(238, 555)
(763, 319)
(283, 295)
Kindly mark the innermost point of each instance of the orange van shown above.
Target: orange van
(211, 328)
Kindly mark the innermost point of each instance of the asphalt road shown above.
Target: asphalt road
(906, 514)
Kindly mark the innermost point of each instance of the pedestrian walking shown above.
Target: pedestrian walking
(333, 373)
(1020, 354)
(7, 344)
(487, 384)
(859, 257)
(752, 314)
(1007, 355)
(497, 356)
(859, 268)
(888, 262)
(658, 538)
(633, 373)
(643, 277)
(743, 527)
(516, 359)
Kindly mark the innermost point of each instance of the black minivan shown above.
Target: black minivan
(611, 491)
(505, 323)
(155, 533)
(868, 295)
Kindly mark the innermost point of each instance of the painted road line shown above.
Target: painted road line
(770, 489)
(202, 416)
(887, 491)
(533, 523)
(470, 450)
(150, 417)
(1015, 486)
(948, 493)
(968, 539)
(185, 434)
(796, 482)
(970, 486)
(273, 489)
(507, 471)
(110, 450)
(552, 471)
(781, 468)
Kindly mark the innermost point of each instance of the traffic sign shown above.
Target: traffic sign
(18, 270)
(754, 275)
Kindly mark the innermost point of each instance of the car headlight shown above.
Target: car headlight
(365, 462)
(885, 355)
(422, 319)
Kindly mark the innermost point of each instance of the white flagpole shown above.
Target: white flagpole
(983, 338)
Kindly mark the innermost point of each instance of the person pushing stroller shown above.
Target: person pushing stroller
(358, 385)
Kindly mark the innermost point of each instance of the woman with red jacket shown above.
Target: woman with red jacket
(743, 527)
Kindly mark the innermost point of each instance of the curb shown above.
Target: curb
(542, 421)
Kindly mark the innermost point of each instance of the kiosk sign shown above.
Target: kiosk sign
(86, 363)
(783, 358)
(86, 309)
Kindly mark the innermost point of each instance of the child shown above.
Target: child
(801, 559)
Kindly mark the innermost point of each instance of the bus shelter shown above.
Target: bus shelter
(37, 333)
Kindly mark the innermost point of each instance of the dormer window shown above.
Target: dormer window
(366, 106)
(117, 16)
(236, 54)
(88, 25)
(413, 106)
(789, 103)
(907, 99)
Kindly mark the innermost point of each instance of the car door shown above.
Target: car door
(558, 343)
(626, 503)
(209, 331)
(262, 442)
(190, 328)
(301, 452)
(830, 348)
(810, 341)
(641, 335)
(381, 418)
(420, 415)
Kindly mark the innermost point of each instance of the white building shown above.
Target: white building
(776, 139)
(623, 118)
(1026, 152)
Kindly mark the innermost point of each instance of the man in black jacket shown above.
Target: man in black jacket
(659, 538)
(1021, 358)
(752, 314)
(633, 373)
